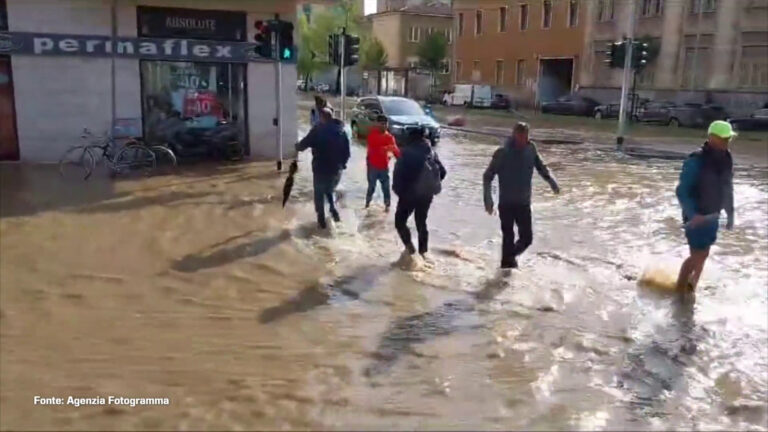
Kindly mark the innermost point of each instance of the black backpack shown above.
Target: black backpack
(429, 183)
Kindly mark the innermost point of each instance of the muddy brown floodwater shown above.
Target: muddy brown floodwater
(199, 288)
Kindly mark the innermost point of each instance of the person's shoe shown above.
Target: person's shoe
(386, 208)
(335, 216)
(367, 204)
(428, 258)
(322, 224)
(509, 265)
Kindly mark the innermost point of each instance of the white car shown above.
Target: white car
(473, 95)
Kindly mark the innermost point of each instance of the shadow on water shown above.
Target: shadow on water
(444, 320)
(136, 203)
(349, 287)
(656, 368)
(220, 254)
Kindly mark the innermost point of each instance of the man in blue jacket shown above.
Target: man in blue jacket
(705, 188)
(330, 153)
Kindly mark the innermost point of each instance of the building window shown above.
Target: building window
(448, 35)
(3, 16)
(502, 19)
(546, 14)
(461, 24)
(697, 6)
(445, 67)
(478, 22)
(523, 17)
(753, 68)
(605, 10)
(458, 70)
(573, 13)
(476, 75)
(415, 34)
(520, 72)
(651, 8)
(499, 72)
(431, 30)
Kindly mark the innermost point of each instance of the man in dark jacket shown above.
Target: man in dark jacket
(406, 178)
(514, 163)
(705, 188)
(330, 153)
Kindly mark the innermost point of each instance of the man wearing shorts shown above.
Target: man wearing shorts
(705, 188)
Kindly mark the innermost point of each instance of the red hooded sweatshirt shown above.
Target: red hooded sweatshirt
(380, 144)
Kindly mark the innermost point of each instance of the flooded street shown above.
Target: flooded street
(200, 288)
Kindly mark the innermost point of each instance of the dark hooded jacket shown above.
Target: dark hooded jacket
(330, 147)
(706, 183)
(409, 166)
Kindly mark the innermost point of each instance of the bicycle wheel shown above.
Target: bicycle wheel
(234, 151)
(77, 162)
(164, 156)
(134, 158)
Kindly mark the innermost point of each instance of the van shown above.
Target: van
(470, 95)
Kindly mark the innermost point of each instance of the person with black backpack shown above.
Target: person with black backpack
(417, 179)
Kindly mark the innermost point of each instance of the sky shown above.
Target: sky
(370, 6)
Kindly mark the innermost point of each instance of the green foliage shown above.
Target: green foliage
(373, 55)
(432, 52)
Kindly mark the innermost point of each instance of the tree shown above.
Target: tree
(374, 57)
(432, 53)
(309, 62)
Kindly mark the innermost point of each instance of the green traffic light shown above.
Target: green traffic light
(286, 53)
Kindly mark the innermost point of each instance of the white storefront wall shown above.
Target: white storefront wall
(56, 97)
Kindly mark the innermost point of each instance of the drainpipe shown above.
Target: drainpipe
(696, 49)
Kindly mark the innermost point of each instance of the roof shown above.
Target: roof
(430, 8)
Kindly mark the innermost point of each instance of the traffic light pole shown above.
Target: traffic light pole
(278, 96)
(343, 42)
(626, 77)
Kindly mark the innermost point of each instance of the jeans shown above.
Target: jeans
(511, 215)
(325, 186)
(406, 207)
(382, 176)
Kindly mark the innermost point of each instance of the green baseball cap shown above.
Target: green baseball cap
(721, 128)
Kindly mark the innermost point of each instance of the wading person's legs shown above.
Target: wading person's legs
(690, 271)
(403, 212)
(506, 215)
(421, 213)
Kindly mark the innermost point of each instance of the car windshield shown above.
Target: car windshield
(401, 107)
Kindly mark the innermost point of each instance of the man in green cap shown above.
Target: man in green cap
(705, 188)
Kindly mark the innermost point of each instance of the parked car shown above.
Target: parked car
(403, 114)
(571, 105)
(500, 102)
(757, 121)
(469, 95)
(610, 110)
(687, 115)
(322, 88)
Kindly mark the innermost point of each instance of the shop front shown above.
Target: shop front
(9, 146)
(185, 101)
(175, 71)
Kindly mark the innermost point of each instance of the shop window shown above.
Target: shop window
(181, 100)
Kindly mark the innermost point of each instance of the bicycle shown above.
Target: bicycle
(163, 154)
(83, 158)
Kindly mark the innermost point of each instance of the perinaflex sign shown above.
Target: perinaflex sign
(46, 44)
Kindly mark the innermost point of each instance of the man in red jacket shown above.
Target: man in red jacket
(380, 144)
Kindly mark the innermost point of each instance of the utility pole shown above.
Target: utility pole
(343, 75)
(628, 43)
(278, 94)
(113, 12)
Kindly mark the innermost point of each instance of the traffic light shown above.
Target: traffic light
(351, 50)
(263, 38)
(616, 51)
(284, 31)
(639, 55)
(334, 49)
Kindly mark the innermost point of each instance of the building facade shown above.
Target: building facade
(713, 50)
(401, 32)
(527, 49)
(173, 59)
